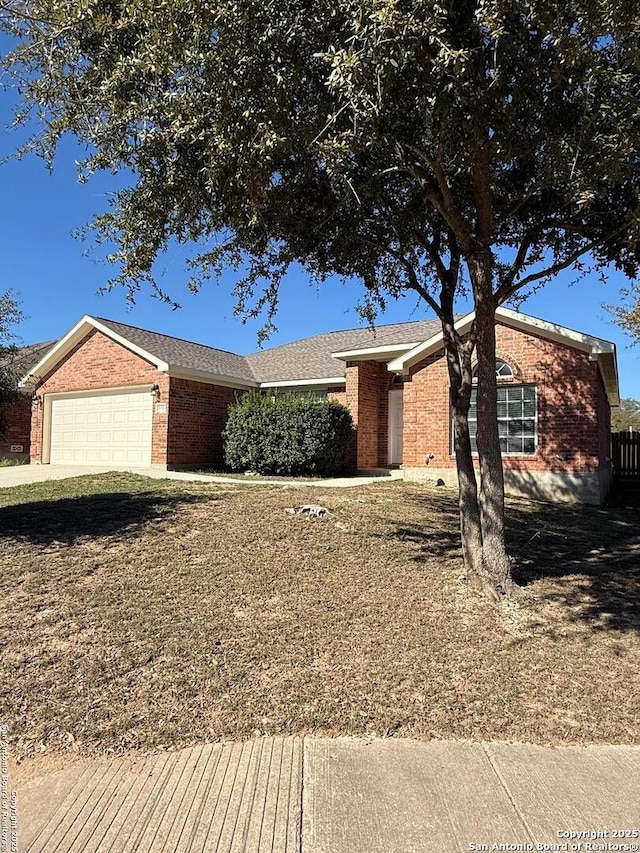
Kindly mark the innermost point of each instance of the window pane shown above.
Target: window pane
(515, 408)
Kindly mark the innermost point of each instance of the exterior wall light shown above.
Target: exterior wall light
(36, 400)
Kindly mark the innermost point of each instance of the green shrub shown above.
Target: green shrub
(287, 435)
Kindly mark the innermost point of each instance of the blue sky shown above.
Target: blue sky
(50, 272)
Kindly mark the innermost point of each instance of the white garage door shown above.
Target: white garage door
(102, 429)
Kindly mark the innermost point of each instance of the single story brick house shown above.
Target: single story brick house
(109, 393)
(14, 444)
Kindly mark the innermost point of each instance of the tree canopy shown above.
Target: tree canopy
(10, 316)
(626, 416)
(459, 146)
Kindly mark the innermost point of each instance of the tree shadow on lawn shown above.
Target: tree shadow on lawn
(585, 558)
(66, 520)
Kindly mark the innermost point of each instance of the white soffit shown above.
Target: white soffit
(381, 353)
(208, 378)
(291, 383)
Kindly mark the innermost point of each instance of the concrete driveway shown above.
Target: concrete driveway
(21, 475)
(342, 795)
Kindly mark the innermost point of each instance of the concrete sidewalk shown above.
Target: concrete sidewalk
(21, 475)
(286, 795)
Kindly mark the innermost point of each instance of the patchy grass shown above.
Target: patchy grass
(141, 613)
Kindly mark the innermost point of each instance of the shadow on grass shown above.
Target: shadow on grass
(592, 554)
(585, 558)
(66, 520)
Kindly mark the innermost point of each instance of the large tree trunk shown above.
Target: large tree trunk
(459, 364)
(496, 563)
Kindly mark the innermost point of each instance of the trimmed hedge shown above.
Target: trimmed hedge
(287, 435)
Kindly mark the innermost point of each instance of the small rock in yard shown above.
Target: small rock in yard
(341, 525)
(290, 510)
(313, 510)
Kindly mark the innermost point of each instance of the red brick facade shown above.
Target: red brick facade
(367, 398)
(17, 416)
(185, 431)
(573, 413)
(197, 416)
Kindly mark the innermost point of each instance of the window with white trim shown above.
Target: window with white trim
(517, 418)
(503, 370)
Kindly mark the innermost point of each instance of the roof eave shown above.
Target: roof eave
(380, 353)
(208, 377)
(428, 347)
(73, 337)
(292, 383)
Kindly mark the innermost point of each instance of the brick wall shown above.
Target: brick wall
(99, 362)
(367, 397)
(573, 415)
(197, 415)
(17, 416)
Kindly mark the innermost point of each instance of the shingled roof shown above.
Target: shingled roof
(184, 355)
(19, 360)
(310, 358)
(305, 359)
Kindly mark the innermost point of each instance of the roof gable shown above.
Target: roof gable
(20, 359)
(173, 356)
(314, 360)
(604, 352)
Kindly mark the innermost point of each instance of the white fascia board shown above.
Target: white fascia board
(386, 350)
(291, 383)
(209, 378)
(608, 364)
(425, 349)
(58, 351)
(554, 332)
(72, 338)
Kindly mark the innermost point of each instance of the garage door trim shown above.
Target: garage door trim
(89, 392)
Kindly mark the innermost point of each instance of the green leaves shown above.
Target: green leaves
(286, 434)
(350, 137)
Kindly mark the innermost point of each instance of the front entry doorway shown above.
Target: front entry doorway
(394, 456)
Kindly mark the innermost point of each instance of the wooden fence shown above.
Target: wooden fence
(625, 453)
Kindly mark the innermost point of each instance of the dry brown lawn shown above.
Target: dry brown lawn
(146, 614)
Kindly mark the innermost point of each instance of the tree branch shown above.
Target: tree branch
(503, 294)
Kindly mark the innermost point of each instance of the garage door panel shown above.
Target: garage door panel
(102, 429)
